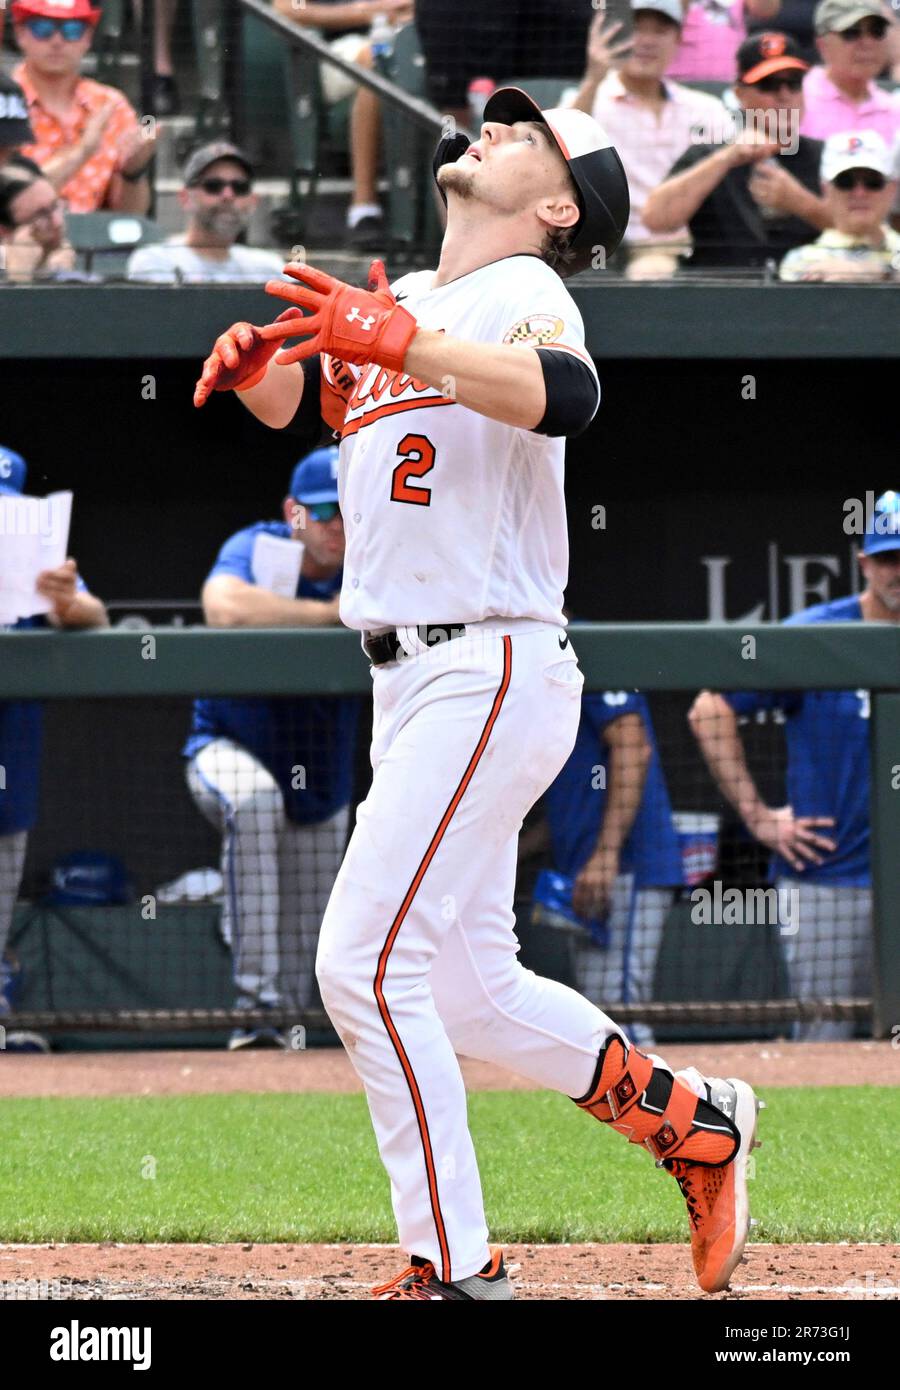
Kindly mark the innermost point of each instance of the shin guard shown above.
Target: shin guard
(652, 1107)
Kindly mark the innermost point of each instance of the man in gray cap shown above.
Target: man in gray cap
(15, 127)
(219, 201)
(853, 38)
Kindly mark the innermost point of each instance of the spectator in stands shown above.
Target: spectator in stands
(842, 94)
(711, 34)
(275, 775)
(33, 243)
(15, 127)
(21, 725)
(650, 121)
(857, 175)
(610, 825)
(219, 201)
(753, 199)
(352, 20)
(86, 135)
(820, 839)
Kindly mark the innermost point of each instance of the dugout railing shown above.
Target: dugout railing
(667, 662)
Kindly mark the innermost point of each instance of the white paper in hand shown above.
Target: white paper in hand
(276, 564)
(34, 536)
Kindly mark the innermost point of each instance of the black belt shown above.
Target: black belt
(386, 646)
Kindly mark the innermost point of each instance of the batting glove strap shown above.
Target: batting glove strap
(363, 331)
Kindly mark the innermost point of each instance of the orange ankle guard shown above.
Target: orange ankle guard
(618, 1097)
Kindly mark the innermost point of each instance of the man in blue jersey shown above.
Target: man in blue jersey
(820, 839)
(611, 830)
(275, 775)
(21, 727)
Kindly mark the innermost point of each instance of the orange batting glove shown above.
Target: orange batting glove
(238, 360)
(355, 325)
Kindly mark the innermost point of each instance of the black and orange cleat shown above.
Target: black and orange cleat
(717, 1201)
(419, 1281)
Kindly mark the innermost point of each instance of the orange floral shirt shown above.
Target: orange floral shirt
(88, 187)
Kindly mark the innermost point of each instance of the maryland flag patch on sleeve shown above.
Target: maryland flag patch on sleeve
(536, 331)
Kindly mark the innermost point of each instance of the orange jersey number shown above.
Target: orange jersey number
(417, 459)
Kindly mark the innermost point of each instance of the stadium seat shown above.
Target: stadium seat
(105, 240)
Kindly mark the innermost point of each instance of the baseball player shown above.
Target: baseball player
(21, 733)
(453, 392)
(275, 776)
(820, 839)
(613, 836)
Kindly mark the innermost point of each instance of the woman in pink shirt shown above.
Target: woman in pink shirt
(712, 32)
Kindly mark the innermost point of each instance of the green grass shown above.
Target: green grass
(305, 1168)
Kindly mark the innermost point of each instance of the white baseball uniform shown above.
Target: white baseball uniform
(453, 518)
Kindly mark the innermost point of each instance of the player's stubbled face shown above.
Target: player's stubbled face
(883, 575)
(508, 167)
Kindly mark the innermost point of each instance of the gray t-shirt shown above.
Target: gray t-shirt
(170, 262)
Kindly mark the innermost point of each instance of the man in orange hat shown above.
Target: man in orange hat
(87, 137)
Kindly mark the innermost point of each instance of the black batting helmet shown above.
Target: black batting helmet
(594, 165)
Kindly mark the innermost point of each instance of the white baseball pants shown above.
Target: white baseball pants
(278, 876)
(417, 954)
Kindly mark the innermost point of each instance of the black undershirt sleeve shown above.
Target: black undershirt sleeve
(571, 394)
(307, 424)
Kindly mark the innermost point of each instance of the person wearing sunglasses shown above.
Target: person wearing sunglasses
(219, 202)
(854, 38)
(33, 242)
(87, 137)
(859, 185)
(275, 776)
(754, 197)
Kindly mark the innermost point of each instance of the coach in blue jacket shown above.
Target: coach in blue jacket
(275, 775)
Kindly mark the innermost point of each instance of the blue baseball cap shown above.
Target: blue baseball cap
(884, 532)
(315, 477)
(13, 472)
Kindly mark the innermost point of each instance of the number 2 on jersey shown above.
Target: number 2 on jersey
(417, 459)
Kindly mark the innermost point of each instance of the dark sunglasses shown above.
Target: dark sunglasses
(852, 178)
(239, 187)
(71, 29)
(322, 511)
(792, 80)
(877, 28)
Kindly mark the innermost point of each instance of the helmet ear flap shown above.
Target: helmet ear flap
(450, 149)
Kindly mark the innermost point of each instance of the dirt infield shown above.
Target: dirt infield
(346, 1273)
(329, 1069)
(576, 1273)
